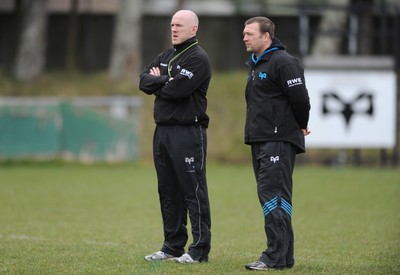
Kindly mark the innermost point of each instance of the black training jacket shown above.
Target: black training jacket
(277, 99)
(182, 100)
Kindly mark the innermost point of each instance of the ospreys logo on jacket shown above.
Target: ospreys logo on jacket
(181, 88)
(276, 98)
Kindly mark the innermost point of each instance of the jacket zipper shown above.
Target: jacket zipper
(273, 118)
(251, 101)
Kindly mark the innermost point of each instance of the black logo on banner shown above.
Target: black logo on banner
(362, 104)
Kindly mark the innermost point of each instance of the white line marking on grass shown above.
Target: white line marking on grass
(105, 243)
(34, 238)
(22, 237)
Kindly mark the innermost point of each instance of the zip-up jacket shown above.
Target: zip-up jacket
(181, 88)
(277, 99)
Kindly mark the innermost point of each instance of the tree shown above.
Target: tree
(30, 58)
(125, 56)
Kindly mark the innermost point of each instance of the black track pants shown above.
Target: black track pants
(273, 164)
(180, 161)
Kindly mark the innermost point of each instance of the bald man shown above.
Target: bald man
(179, 79)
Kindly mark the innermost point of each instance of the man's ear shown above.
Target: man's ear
(195, 28)
(267, 36)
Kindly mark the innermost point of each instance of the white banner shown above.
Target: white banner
(351, 108)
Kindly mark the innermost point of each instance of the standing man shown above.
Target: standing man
(276, 122)
(179, 79)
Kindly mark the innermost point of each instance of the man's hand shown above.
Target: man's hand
(306, 131)
(155, 71)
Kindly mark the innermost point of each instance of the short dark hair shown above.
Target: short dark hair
(266, 24)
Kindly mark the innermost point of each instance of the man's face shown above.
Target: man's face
(182, 28)
(255, 41)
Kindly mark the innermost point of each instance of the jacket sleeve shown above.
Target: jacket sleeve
(192, 74)
(294, 86)
(150, 83)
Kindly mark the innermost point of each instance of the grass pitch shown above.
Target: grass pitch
(102, 219)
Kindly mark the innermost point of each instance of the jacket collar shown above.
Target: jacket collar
(275, 45)
(184, 44)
